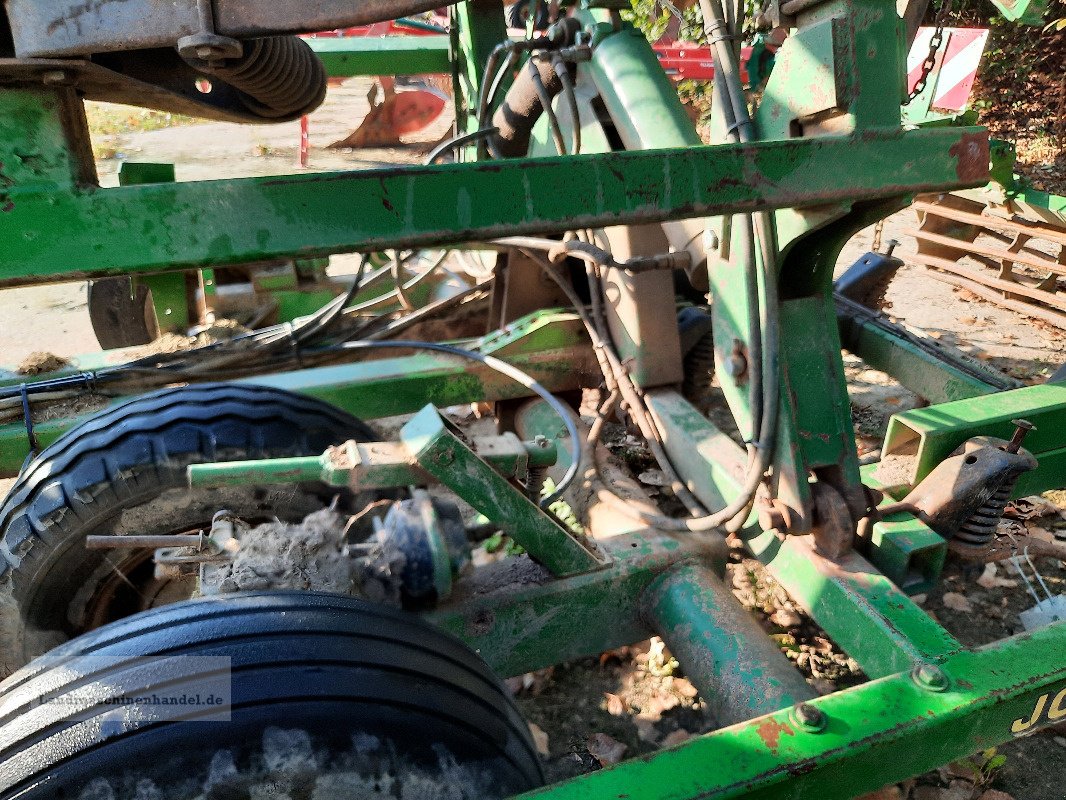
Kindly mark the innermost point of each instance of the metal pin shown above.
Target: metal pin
(1021, 428)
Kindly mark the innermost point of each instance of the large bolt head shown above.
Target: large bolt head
(808, 717)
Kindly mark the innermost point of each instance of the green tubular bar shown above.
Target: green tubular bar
(390, 55)
(737, 668)
(521, 626)
(133, 229)
(874, 734)
(345, 470)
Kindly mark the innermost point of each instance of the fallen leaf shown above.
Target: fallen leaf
(957, 602)
(1032, 507)
(990, 580)
(605, 749)
(540, 739)
(963, 770)
(615, 706)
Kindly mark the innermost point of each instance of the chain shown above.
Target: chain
(878, 230)
(934, 46)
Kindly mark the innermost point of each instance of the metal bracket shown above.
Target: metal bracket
(437, 447)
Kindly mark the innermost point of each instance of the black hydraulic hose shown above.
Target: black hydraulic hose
(511, 372)
(546, 105)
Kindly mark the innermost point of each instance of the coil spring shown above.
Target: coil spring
(279, 76)
(535, 479)
(979, 530)
(699, 369)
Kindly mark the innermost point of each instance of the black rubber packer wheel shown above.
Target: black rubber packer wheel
(123, 471)
(331, 697)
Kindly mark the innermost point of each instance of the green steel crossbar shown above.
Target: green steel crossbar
(874, 734)
(167, 226)
(931, 434)
(347, 57)
(440, 451)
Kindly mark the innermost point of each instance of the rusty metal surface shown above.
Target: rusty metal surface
(48, 28)
(739, 671)
(834, 529)
(963, 497)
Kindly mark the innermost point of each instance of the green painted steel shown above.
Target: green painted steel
(709, 462)
(550, 346)
(915, 368)
(739, 671)
(387, 55)
(429, 439)
(477, 27)
(932, 433)
(908, 552)
(631, 83)
(861, 610)
(386, 467)
(518, 626)
(298, 469)
(174, 226)
(875, 734)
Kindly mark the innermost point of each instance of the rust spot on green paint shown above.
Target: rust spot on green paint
(972, 153)
(770, 732)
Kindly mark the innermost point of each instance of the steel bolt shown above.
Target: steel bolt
(892, 245)
(206, 52)
(809, 718)
(445, 457)
(54, 77)
(541, 441)
(930, 676)
(1021, 428)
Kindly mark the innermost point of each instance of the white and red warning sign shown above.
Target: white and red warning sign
(954, 69)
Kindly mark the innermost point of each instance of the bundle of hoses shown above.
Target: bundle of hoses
(299, 344)
(758, 246)
(278, 77)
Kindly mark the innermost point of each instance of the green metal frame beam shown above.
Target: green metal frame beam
(440, 451)
(164, 227)
(874, 734)
(861, 610)
(932, 433)
(551, 346)
(347, 57)
(864, 333)
(521, 626)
